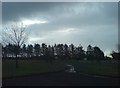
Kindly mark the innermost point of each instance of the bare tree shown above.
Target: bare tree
(16, 34)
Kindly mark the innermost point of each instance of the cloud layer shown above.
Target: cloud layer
(78, 23)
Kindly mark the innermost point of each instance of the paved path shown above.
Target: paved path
(60, 79)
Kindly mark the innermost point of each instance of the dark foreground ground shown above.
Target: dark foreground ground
(60, 79)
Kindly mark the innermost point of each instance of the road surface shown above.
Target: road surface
(60, 79)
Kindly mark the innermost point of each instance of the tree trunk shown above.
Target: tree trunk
(16, 61)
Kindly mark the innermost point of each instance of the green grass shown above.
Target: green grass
(96, 68)
(27, 67)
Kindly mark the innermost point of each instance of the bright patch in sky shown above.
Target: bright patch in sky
(30, 22)
(36, 38)
(67, 30)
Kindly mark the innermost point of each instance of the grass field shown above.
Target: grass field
(96, 68)
(27, 67)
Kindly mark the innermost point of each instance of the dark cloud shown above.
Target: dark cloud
(16, 10)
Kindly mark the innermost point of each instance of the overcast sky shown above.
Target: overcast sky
(63, 22)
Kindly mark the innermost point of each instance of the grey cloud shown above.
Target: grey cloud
(15, 10)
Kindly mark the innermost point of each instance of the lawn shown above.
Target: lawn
(96, 68)
(27, 67)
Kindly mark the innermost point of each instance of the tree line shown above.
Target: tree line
(57, 51)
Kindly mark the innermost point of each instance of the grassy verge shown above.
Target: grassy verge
(27, 67)
(96, 68)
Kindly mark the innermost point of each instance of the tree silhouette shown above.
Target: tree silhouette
(90, 52)
(15, 34)
(50, 53)
(60, 51)
(66, 52)
(115, 55)
(98, 54)
(30, 50)
(24, 51)
(80, 53)
(72, 51)
(37, 50)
